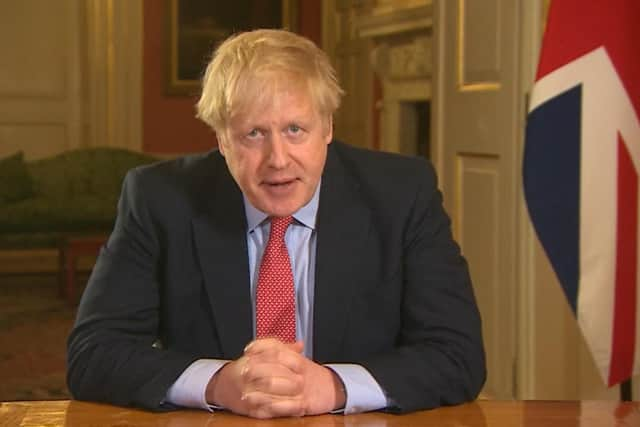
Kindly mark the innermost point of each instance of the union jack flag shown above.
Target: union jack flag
(581, 163)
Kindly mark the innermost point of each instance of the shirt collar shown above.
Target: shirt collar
(306, 215)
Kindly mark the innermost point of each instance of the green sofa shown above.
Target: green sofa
(73, 193)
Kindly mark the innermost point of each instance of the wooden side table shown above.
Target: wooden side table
(71, 249)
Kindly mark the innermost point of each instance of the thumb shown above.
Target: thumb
(297, 346)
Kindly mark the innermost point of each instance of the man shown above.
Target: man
(284, 274)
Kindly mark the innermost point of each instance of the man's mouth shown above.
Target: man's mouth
(280, 185)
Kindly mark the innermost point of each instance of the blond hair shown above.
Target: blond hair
(248, 67)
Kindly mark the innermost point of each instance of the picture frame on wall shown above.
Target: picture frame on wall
(195, 27)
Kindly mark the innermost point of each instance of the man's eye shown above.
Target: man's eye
(294, 128)
(253, 133)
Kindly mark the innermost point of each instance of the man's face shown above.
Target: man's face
(276, 151)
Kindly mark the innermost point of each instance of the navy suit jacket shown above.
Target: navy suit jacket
(392, 291)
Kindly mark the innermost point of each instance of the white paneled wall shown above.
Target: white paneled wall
(40, 76)
(70, 75)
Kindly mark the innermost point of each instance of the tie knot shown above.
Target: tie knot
(279, 227)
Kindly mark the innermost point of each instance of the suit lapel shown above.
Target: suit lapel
(220, 237)
(343, 228)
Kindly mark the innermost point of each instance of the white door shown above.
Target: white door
(476, 128)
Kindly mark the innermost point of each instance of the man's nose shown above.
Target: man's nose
(278, 151)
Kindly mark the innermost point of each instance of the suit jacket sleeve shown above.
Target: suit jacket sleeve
(438, 358)
(111, 351)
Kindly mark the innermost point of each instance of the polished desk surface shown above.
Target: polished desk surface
(480, 413)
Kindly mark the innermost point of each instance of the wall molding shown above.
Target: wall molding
(401, 56)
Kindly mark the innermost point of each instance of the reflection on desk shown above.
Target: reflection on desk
(476, 414)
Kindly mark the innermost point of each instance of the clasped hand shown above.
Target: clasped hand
(274, 379)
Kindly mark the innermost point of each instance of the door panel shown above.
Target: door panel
(475, 131)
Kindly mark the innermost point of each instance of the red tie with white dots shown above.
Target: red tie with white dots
(275, 295)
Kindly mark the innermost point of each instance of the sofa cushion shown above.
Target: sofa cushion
(96, 171)
(110, 170)
(64, 214)
(15, 181)
(75, 192)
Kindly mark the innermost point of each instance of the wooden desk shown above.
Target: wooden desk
(480, 413)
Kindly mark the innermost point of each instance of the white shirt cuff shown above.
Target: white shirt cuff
(363, 392)
(190, 387)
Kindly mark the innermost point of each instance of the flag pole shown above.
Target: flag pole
(625, 391)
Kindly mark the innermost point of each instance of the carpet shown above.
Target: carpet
(34, 325)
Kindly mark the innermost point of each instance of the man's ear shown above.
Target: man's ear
(221, 144)
(328, 129)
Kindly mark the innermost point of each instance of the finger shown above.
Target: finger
(262, 376)
(264, 405)
(258, 371)
(257, 368)
(262, 344)
(277, 356)
(283, 386)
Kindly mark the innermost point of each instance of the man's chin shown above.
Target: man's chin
(281, 200)
(280, 211)
(281, 206)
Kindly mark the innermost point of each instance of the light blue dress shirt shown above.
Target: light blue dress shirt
(362, 391)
